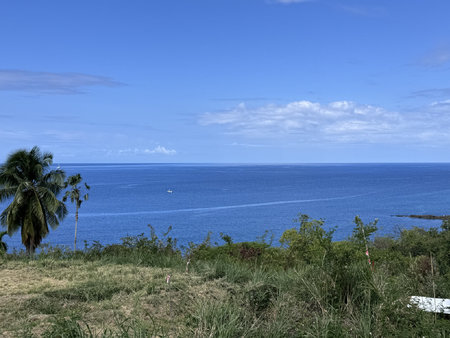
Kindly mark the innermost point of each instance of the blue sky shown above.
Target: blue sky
(264, 81)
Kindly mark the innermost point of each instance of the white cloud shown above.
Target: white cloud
(160, 150)
(340, 121)
(444, 103)
(157, 150)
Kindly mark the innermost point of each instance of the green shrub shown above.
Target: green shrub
(259, 296)
(309, 243)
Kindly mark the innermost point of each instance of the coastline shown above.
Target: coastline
(432, 217)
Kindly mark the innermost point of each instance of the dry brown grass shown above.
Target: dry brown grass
(34, 293)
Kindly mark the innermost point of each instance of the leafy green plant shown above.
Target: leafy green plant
(310, 242)
(362, 233)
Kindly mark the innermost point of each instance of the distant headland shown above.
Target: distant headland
(443, 217)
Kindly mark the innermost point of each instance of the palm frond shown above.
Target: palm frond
(47, 159)
(74, 180)
(38, 209)
(3, 216)
(54, 180)
(8, 178)
(52, 220)
(6, 193)
(48, 199)
(3, 233)
(27, 227)
(12, 216)
(61, 212)
(12, 223)
(3, 245)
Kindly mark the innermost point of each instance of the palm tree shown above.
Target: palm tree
(75, 196)
(3, 245)
(27, 179)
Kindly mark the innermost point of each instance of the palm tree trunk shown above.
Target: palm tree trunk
(76, 224)
(31, 248)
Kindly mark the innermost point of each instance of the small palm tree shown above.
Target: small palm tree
(27, 179)
(75, 197)
(3, 245)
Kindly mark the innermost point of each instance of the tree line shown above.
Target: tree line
(27, 179)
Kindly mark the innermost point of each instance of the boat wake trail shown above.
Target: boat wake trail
(225, 207)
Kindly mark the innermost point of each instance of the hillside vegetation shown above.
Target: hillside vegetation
(309, 286)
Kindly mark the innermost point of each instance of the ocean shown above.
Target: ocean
(244, 201)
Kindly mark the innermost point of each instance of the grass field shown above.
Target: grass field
(42, 296)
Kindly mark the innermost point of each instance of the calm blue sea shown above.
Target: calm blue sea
(245, 200)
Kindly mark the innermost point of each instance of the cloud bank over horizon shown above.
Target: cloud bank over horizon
(148, 151)
(338, 121)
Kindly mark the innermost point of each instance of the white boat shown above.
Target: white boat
(169, 191)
